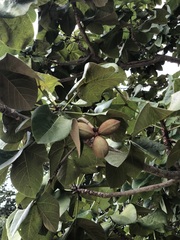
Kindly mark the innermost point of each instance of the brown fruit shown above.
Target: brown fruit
(85, 131)
(100, 147)
(108, 127)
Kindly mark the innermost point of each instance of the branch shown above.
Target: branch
(162, 173)
(144, 63)
(71, 78)
(82, 30)
(125, 193)
(165, 135)
(12, 113)
(80, 61)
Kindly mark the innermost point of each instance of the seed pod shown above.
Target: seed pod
(108, 127)
(85, 131)
(84, 120)
(100, 147)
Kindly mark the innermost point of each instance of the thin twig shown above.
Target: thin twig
(125, 193)
(80, 61)
(71, 78)
(162, 173)
(147, 62)
(81, 29)
(12, 113)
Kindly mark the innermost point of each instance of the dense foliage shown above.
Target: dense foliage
(91, 61)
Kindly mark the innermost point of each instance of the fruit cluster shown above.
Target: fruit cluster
(88, 131)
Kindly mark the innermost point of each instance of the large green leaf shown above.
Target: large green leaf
(31, 225)
(16, 33)
(48, 127)
(18, 91)
(96, 79)
(19, 217)
(27, 171)
(55, 155)
(116, 176)
(68, 172)
(127, 216)
(81, 225)
(152, 147)
(155, 221)
(130, 165)
(148, 116)
(116, 158)
(7, 234)
(11, 63)
(49, 210)
(30, 229)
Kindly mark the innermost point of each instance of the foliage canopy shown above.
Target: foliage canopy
(75, 70)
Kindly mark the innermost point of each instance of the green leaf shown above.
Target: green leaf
(96, 79)
(106, 17)
(27, 171)
(94, 230)
(110, 41)
(22, 90)
(64, 201)
(128, 216)
(48, 127)
(135, 160)
(10, 135)
(131, 166)
(49, 210)
(68, 172)
(8, 223)
(81, 225)
(47, 82)
(155, 221)
(55, 155)
(3, 49)
(173, 156)
(3, 174)
(148, 116)
(19, 217)
(152, 147)
(115, 176)
(12, 64)
(17, 33)
(8, 157)
(32, 224)
(100, 3)
(116, 158)
(87, 163)
(175, 102)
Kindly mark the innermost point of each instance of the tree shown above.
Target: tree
(93, 150)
